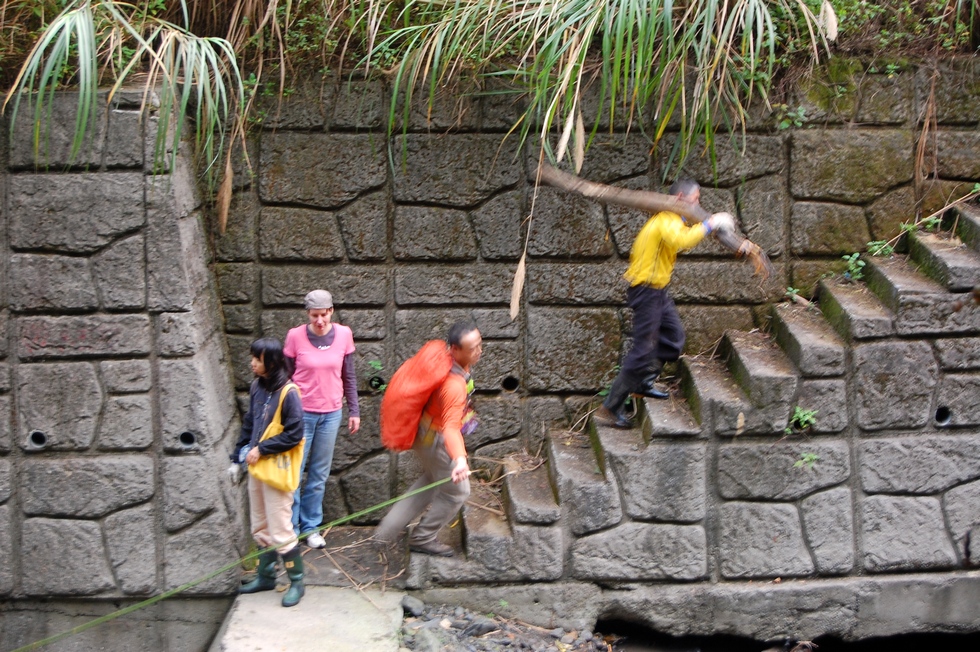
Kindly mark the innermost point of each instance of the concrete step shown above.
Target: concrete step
(947, 260)
(663, 481)
(670, 418)
(967, 217)
(530, 498)
(854, 311)
(719, 404)
(764, 372)
(921, 306)
(589, 497)
(809, 340)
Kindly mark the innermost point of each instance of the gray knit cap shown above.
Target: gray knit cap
(318, 300)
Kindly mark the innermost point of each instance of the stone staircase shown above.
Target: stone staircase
(715, 488)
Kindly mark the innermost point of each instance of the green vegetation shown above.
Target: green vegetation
(807, 460)
(801, 420)
(855, 267)
(880, 248)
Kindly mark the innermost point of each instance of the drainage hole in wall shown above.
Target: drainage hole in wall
(510, 384)
(376, 382)
(187, 439)
(38, 438)
(943, 415)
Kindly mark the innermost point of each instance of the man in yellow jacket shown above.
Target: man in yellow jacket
(658, 335)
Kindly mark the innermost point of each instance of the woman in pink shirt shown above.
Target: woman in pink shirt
(321, 354)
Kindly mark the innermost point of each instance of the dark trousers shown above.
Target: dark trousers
(658, 337)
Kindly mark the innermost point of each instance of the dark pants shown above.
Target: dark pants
(658, 337)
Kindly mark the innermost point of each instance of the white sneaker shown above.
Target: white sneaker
(316, 541)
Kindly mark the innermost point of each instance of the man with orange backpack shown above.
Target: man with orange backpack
(438, 443)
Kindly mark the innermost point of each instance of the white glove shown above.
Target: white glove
(721, 222)
(235, 473)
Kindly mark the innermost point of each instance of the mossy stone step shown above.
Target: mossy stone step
(854, 311)
(947, 260)
(809, 340)
(764, 372)
(589, 498)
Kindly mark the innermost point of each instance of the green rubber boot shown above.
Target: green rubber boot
(265, 574)
(293, 560)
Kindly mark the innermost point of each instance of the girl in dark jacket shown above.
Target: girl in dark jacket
(270, 509)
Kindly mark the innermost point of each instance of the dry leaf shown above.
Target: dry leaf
(565, 135)
(579, 155)
(517, 288)
(828, 20)
(223, 200)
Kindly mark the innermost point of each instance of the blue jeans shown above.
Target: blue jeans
(320, 434)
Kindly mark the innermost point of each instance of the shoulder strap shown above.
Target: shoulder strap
(277, 418)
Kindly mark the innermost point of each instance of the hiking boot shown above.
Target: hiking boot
(434, 547)
(315, 540)
(265, 574)
(649, 390)
(293, 561)
(605, 417)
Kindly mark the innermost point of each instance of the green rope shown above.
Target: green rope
(180, 589)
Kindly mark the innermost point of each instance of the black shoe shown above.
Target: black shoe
(605, 417)
(650, 391)
(434, 547)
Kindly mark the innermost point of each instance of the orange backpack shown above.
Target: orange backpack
(409, 390)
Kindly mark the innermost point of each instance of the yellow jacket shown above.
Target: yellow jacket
(655, 248)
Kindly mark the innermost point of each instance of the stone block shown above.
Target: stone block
(189, 490)
(364, 223)
(120, 273)
(366, 357)
(762, 540)
(571, 349)
(57, 134)
(301, 110)
(166, 277)
(291, 234)
(349, 449)
(131, 537)
(959, 394)
(949, 262)
(955, 88)
(661, 482)
(197, 551)
(724, 281)
(958, 154)
(704, 325)
(776, 472)
(641, 551)
(239, 318)
(54, 564)
(366, 485)
(589, 498)
(195, 398)
(614, 156)
(83, 336)
(5, 485)
(761, 368)
(851, 166)
(887, 212)
(365, 324)
(73, 213)
(495, 550)
(441, 110)
(498, 226)
(126, 376)
(899, 533)
(826, 229)
(736, 159)
(567, 226)
(276, 323)
(5, 427)
(854, 312)
(764, 211)
(127, 423)
(124, 138)
(4, 320)
(828, 397)
(808, 340)
(236, 281)
(501, 364)
(958, 354)
(320, 170)
(415, 327)
(63, 401)
(805, 275)
(499, 418)
(85, 487)
(718, 404)
(238, 242)
(355, 105)
(625, 223)
(962, 506)
(5, 384)
(432, 233)
(8, 570)
(44, 282)
(918, 465)
(886, 99)
(894, 382)
(449, 285)
(829, 522)
(575, 283)
(349, 284)
(530, 497)
(457, 170)
(179, 334)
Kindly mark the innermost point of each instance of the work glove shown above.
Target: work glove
(721, 222)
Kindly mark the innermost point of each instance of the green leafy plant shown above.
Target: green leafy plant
(855, 267)
(786, 117)
(932, 223)
(880, 248)
(807, 460)
(792, 293)
(801, 420)
(375, 382)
